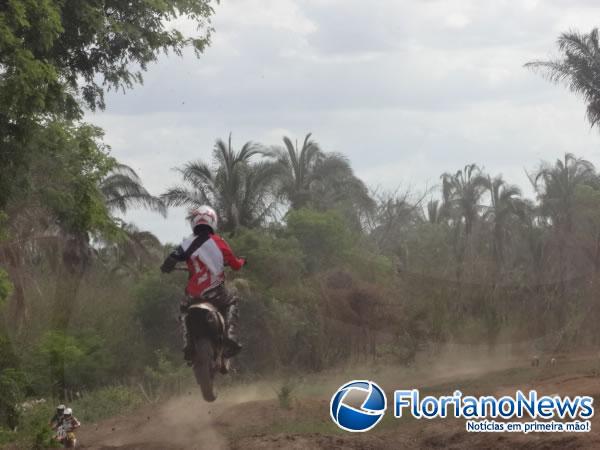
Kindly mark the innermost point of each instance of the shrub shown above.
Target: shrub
(107, 402)
(63, 361)
(157, 300)
(324, 237)
(12, 386)
(285, 394)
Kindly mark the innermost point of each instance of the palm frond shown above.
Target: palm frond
(180, 196)
(123, 189)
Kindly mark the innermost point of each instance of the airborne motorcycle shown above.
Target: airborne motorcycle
(206, 327)
(207, 331)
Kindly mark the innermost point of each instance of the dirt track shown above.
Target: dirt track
(181, 423)
(253, 420)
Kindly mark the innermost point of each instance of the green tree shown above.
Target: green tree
(240, 191)
(578, 67)
(298, 170)
(310, 177)
(556, 186)
(505, 203)
(587, 220)
(323, 236)
(65, 361)
(57, 56)
(123, 189)
(131, 251)
(462, 194)
(156, 306)
(435, 212)
(12, 392)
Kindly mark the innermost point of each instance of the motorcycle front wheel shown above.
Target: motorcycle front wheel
(203, 367)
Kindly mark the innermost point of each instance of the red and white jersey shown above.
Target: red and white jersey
(207, 264)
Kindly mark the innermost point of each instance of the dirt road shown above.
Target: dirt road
(250, 418)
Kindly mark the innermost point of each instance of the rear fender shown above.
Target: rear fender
(211, 317)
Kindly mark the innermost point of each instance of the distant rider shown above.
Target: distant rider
(66, 430)
(70, 422)
(57, 417)
(206, 255)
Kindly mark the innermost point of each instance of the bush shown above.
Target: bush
(12, 387)
(34, 431)
(107, 402)
(157, 302)
(63, 361)
(324, 237)
(285, 394)
(273, 260)
(165, 378)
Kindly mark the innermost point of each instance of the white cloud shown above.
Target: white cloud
(457, 20)
(407, 89)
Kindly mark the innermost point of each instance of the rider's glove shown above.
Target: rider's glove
(168, 265)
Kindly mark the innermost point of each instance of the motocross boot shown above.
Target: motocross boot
(232, 346)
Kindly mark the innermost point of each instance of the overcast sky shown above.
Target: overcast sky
(407, 89)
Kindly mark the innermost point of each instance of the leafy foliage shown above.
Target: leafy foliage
(323, 236)
(122, 189)
(157, 300)
(240, 191)
(310, 177)
(57, 56)
(5, 286)
(62, 361)
(577, 68)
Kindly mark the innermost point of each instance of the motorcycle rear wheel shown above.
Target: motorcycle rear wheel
(203, 368)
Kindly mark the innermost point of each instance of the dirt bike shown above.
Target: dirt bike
(66, 438)
(206, 328)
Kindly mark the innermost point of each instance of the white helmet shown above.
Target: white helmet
(60, 407)
(204, 215)
(68, 411)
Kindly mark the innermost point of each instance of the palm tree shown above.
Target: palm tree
(505, 202)
(435, 212)
(393, 216)
(132, 251)
(299, 170)
(323, 180)
(122, 189)
(241, 192)
(556, 188)
(257, 199)
(534, 233)
(462, 193)
(578, 67)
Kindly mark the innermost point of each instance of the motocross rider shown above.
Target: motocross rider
(69, 421)
(58, 416)
(206, 254)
